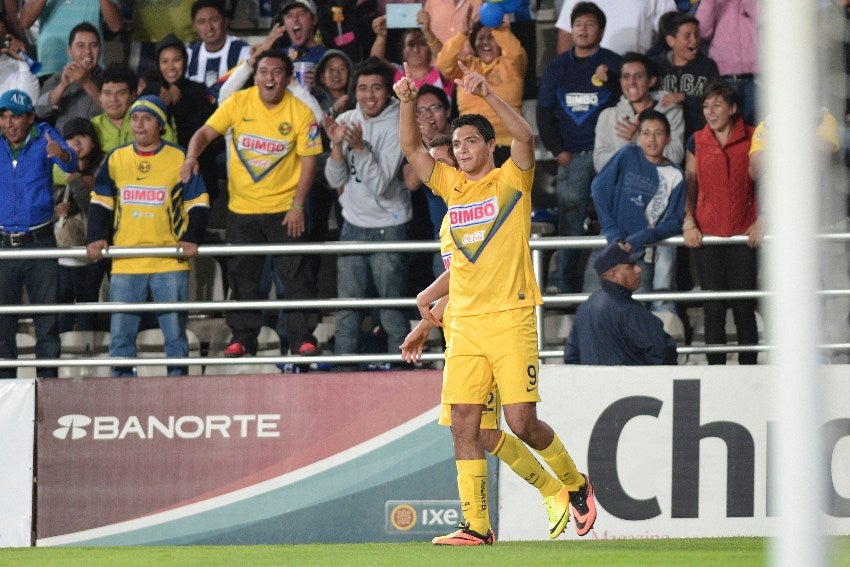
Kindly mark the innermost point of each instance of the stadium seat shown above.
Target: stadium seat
(84, 344)
(26, 350)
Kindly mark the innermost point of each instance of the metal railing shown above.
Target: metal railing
(537, 244)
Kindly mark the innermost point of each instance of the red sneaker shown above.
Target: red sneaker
(308, 349)
(584, 507)
(235, 350)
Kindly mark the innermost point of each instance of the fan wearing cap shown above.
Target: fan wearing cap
(613, 329)
(28, 151)
(140, 200)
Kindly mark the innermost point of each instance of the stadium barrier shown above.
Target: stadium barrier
(538, 246)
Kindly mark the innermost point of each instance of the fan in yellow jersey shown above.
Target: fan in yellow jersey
(492, 294)
(138, 194)
(270, 170)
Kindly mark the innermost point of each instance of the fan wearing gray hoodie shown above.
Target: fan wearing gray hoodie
(366, 161)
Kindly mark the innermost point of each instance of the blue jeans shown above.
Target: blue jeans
(573, 192)
(164, 287)
(39, 277)
(359, 274)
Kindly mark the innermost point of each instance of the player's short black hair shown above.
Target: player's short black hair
(480, 123)
(588, 9)
(652, 114)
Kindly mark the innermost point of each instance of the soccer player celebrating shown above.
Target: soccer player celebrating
(492, 294)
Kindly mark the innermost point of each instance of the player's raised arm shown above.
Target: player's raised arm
(408, 131)
(522, 145)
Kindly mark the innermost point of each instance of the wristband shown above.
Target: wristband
(296, 207)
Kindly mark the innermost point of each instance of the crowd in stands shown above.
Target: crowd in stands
(645, 104)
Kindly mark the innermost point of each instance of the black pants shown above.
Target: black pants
(244, 274)
(729, 268)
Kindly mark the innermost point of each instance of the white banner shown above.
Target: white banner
(17, 413)
(677, 451)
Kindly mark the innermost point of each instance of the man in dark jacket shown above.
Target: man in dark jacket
(613, 329)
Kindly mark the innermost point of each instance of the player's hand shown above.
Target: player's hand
(414, 343)
(188, 249)
(96, 250)
(294, 222)
(755, 233)
(188, 169)
(472, 82)
(405, 89)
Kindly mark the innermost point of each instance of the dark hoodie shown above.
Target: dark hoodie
(323, 95)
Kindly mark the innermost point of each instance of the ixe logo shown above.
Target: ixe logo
(74, 427)
(688, 431)
(421, 516)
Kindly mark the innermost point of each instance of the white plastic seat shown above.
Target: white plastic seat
(26, 350)
(84, 344)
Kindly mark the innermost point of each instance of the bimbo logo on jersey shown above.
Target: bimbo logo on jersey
(262, 145)
(474, 213)
(135, 195)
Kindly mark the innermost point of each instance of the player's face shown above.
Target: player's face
(145, 129)
(431, 115)
(486, 47)
(372, 94)
(335, 75)
(300, 25)
(473, 154)
(635, 82)
(16, 128)
(415, 50)
(685, 44)
(172, 64)
(115, 98)
(443, 154)
(271, 78)
(82, 144)
(586, 32)
(652, 139)
(85, 50)
(211, 27)
(718, 113)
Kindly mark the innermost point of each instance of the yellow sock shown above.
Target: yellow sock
(516, 455)
(472, 487)
(562, 464)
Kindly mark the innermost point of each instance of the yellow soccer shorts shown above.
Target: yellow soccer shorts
(496, 347)
(489, 415)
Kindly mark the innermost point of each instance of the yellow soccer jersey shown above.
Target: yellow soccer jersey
(490, 223)
(264, 164)
(150, 204)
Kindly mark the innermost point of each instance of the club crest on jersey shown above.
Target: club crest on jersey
(260, 155)
(148, 196)
(144, 166)
(285, 128)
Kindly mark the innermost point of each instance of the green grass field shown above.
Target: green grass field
(728, 552)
